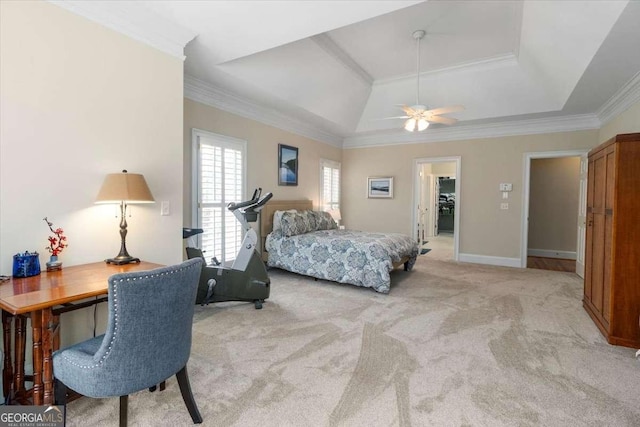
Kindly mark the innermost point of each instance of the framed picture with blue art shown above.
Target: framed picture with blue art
(287, 165)
(380, 187)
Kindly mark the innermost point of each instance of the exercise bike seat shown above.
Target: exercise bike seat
(195, 253)
(188, 232)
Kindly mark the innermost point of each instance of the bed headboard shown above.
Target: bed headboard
(266, 216)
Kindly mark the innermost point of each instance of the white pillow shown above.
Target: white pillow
(277, 218)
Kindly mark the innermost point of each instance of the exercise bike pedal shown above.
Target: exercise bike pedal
(211, 283)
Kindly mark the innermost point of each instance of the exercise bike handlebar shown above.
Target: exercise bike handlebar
(261, 202)
(247, 212)
(251, 205)
(256, 195)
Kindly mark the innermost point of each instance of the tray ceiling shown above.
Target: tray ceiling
(337, 67)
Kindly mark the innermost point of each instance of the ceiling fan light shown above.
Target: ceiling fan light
(410, 125)
(422, 125)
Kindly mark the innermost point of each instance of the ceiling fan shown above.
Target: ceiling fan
(419, 116)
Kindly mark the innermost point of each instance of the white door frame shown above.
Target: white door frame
(524, 232)
(582, 217)
(417, 163)
(423, 220)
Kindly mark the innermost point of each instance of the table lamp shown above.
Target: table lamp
(124, 188)
(336, 215)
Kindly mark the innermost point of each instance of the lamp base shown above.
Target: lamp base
(121, 260)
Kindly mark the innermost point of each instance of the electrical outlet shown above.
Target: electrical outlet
(165, 208)
(504, 206)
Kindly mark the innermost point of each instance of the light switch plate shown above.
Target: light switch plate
(165, 208)
(506, 187)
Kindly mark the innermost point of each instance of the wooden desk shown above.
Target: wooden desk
(43, 298)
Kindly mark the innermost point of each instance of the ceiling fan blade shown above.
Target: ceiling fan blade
(410, 111)
(443, 120)
(395, 117)
(445, 110)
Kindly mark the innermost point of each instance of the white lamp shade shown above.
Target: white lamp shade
(335, 214)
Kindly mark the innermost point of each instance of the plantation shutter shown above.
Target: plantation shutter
(220, 182)
(330, 179)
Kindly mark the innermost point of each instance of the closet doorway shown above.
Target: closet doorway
(553, 223)
(436, 204)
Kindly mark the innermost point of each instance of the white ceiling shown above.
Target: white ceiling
(332, 69)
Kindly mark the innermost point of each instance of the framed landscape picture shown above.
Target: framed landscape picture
(287, 165)
(380, 187)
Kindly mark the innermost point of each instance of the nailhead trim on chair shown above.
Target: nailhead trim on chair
(115, 315)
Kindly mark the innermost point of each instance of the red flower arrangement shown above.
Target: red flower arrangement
(56, 242)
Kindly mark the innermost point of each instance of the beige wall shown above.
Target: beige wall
(485, 229)
(553, 204)
(627, 122)
(79, 101)
(262, 153)
(442, 169)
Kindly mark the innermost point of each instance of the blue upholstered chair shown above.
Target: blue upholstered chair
(148, 339)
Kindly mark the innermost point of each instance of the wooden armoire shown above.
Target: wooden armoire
(612, 259)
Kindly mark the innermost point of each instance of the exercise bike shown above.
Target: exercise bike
(247, 278)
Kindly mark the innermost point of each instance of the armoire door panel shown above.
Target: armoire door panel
(606, 274)
(590, 185)
(597, 278)
(599, 184)
(588, 259)
(610, 180)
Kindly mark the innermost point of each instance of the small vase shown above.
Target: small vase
(54, 264)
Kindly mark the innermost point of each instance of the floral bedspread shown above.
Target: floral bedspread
(345, 256)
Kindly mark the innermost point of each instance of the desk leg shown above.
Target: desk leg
(36, 324)
(7, 368)
(21, 345)
(56, 332)
(49, 332)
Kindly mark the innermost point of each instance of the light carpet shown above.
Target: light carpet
(453, 344)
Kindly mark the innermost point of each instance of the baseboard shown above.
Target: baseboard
(490, 260)
(550, 253)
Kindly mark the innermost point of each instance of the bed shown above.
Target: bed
(307, 242)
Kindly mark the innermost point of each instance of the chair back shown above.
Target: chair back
(148, 335)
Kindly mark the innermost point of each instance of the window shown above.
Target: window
(329, 185)
(219, 164)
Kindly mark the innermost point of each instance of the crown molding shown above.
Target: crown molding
(487, 64)
(627, 96)
(208, 94)
(135, 21)
(330, 47)
(489, 130)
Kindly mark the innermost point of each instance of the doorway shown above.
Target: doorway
(553, 223)
(446, 204)
(436, 205)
